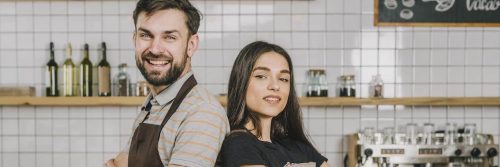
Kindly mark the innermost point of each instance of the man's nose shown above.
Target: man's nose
(156, 47)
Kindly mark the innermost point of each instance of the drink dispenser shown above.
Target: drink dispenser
(422, 146)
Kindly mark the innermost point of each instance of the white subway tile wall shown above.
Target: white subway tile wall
(336, 35)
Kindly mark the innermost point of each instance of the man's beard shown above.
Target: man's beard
(155, 78)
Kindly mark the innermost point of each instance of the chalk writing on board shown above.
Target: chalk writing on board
(483, 5)
(473, 13)
(442, 5)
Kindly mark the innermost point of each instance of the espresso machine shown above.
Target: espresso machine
(422, 147)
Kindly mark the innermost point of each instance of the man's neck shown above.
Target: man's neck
(158, 89)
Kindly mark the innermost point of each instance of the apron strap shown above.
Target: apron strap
(185, 89)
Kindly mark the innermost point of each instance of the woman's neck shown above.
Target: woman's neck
(265, 125)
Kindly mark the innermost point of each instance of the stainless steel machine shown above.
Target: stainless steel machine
(422, 147)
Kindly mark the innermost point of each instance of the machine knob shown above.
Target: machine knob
(492, 152)
(368, 152)
(475, 152)
(458, 152)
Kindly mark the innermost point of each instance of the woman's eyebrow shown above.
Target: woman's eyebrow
(285, 71)
(267, 69)
(261, 68)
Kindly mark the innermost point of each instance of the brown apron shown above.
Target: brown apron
(144, 145)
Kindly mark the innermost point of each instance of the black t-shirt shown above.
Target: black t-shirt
(243, 148)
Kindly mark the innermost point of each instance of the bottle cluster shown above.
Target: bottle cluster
(77, 80)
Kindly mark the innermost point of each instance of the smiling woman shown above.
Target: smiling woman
(264, 113)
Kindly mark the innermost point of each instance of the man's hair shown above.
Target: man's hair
(150, 7)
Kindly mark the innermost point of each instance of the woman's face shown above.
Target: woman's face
(269, 85)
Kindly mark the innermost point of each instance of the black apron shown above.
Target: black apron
(144, 145)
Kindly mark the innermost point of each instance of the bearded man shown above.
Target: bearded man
(180, 123)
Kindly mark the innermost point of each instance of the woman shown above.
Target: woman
(264, 113)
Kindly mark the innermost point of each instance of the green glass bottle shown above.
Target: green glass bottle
(51, 75)
(86, 73)
(104, 74)
(69, 74)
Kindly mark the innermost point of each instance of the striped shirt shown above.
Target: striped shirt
(194, 134)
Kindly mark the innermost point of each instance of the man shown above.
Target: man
(192, 132)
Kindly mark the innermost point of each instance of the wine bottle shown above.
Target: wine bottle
(69, 73)
(51, 75)
(86, 73)
(104, 74)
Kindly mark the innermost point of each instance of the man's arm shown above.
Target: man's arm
(121, 160)
(200, 137)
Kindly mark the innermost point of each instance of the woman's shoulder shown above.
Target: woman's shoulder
(306, 149)
(241, 148)
(240, 137)
(293, 144)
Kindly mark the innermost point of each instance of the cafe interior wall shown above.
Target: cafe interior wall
(335, 35)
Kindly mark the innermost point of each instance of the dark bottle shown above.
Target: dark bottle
(51, 75)
(86, 73)
(104, 74)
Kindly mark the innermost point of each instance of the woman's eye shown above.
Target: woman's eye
(260, 76)
(284, 79)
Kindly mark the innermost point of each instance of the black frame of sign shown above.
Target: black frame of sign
(437, 13)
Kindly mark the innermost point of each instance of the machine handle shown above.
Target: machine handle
(492, 152)
(475, 152)
(458, 152)
(368, 152)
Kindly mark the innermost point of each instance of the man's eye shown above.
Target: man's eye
(144, 35)
(170, 37)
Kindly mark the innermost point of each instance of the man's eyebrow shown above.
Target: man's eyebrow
(172, 32)
(164, 32)
(145, 30)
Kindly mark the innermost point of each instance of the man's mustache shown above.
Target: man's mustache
(150, 55)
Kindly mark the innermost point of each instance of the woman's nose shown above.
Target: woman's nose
(273, 85)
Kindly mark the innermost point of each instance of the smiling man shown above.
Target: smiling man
(180, 123)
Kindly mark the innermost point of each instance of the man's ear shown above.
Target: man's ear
(134, 37)
(192, 45)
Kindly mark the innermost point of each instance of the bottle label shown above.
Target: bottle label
(47, 76)
(104, 80)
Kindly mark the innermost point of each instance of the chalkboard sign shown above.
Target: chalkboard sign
(470, 13)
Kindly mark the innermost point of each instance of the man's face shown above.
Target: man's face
(162, 46)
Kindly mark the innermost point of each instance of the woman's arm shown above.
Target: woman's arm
(325, 164)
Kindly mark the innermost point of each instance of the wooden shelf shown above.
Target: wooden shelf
(71, 101)
(304, 101)
(408, 101)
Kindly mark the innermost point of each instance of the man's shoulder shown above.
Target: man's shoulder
(200, 98)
